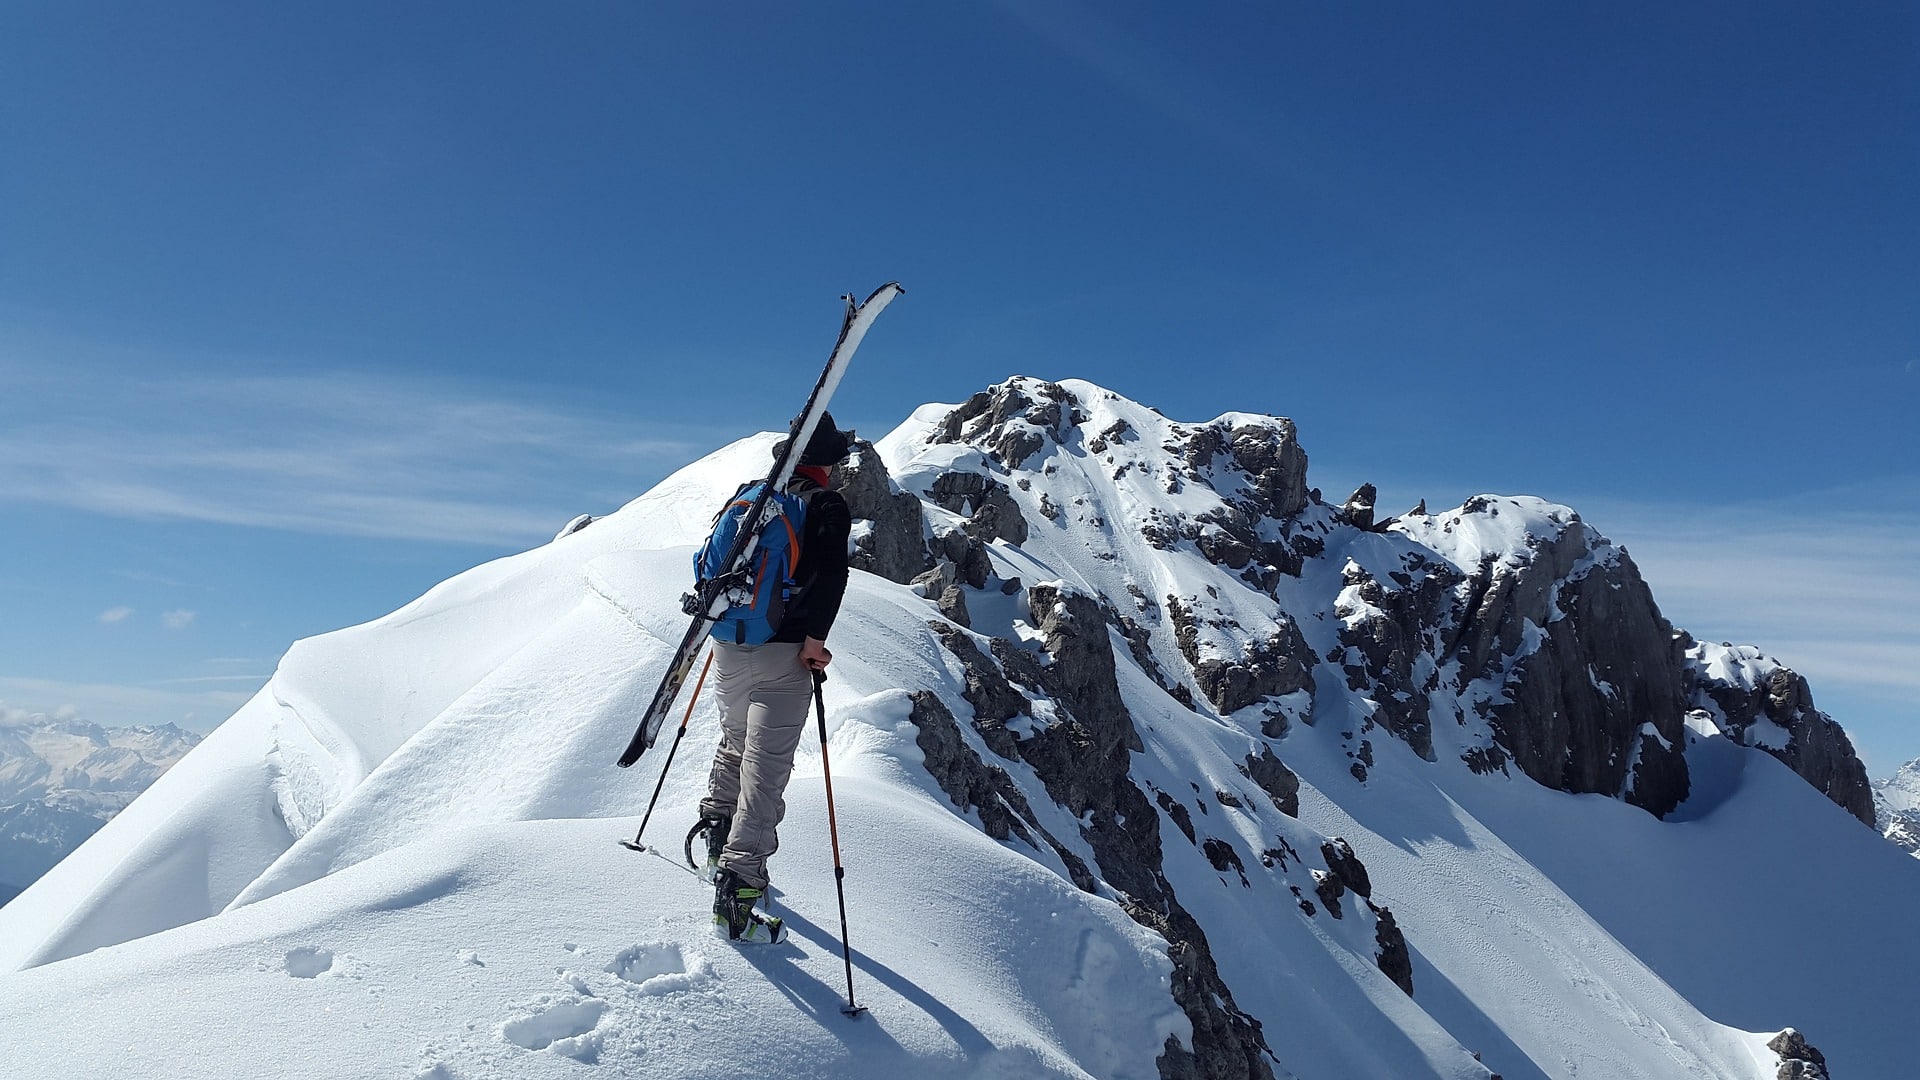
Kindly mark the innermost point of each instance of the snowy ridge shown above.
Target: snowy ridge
(1089, 797)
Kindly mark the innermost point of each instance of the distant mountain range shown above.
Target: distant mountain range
(60, 780)
(1896, 804)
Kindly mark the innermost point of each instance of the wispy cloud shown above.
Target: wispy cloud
(116, 615)
(11, 716)
(328, 453)
(1829, 583)
(177, 620)
(114, 705)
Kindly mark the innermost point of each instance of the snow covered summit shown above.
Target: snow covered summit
(1149, 761)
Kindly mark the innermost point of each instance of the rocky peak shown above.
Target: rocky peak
(1512, 613)
(1798, 1059)
(1013, 420)
(1256, 463)
(1562, 650)
(1759, 702)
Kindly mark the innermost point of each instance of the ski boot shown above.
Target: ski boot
(733, 912)
(715, 829)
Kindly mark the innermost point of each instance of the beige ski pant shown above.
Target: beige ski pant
(763, 693)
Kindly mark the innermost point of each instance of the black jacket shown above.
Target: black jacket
(822, 569)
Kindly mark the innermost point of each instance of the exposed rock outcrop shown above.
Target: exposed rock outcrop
(1260, 473)
(892, 545)
(974, 785)
(1592, 676)
(1267, 453)
(1082, 675)
(1345, 865)
(1274, 778)
(953, 604)
(967, 555)
(994, 699)
(1014, 419)
(1358, 509)
(1798, 1059)
(1265, 668)
(1388, 634)
(1394, 958)
(1083, 757)
(1346, 874)
(985, 502)
(1771, 707)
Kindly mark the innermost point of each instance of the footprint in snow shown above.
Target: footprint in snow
(565, 1027)
(309, 963)
(659, 967)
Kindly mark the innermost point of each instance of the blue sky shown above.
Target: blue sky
(305, 308)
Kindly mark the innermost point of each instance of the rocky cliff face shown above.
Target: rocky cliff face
(887, 533)
(1759, 702)
(1558, 644)
(1080, 544)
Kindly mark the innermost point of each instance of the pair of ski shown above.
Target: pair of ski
(710, 600)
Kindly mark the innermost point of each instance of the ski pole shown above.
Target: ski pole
(635, 843)
(833, 830)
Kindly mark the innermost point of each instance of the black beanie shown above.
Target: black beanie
(829, 445)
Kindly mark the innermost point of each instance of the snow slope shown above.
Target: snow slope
(399, 858)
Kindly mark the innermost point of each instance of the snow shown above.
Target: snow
(1743, 666)
(401, 966)
(399, 858)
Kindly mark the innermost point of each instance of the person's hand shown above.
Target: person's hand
(814, 655)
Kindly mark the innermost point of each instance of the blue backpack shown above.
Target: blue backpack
(761, 598)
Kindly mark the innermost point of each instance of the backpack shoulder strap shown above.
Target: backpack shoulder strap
(731, 499)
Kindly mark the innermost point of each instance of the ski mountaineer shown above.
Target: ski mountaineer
(764, 692)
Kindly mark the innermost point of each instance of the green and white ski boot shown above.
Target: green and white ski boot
(734, 914)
